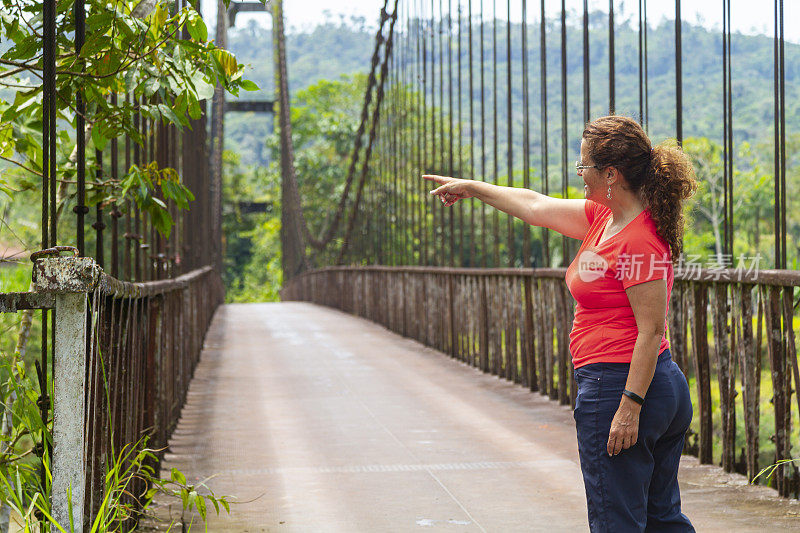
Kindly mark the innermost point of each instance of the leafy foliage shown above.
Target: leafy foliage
(252, 239)
(139, 59)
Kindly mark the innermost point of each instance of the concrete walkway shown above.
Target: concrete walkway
(321, 421)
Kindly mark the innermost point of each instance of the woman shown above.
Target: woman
(633, 407)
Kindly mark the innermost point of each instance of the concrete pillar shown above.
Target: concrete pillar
(69, 384)
(70, 279)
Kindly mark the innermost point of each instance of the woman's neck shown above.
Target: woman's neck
(625, 208)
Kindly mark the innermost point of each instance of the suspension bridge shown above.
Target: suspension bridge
(416, 373)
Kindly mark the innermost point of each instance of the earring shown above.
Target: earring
(609, 193)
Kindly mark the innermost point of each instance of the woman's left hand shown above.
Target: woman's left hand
(624, 427)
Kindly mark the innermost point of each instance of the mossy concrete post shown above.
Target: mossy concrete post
(70, 279)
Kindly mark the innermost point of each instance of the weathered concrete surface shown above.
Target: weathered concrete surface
(69, 390)
(321, 421)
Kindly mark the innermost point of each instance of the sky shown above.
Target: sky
(747, 16)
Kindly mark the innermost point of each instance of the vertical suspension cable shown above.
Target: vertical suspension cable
(495, 170)
(509, 141)
(526, 171)
(425, 133)
(419, 204)
(586, 60)
(646, 118)
(128, 236)
(115, 212)
(611, 65)
(472, 240)
(402, 222)
(411, 134)
(730, 137)
(543, 103)
(391, 188)
(780, 141)
(460, 205)
(451, 158)
(641, 78)
(782, 77)
(48, 201)
(98, 224)
(446, 213)
(398, 124)
(405, 126)
(437, 210)
(483, 136)
(727, 125)
(565, 247)
(136, 237)
(678, 75)
(407, 138)
(373, 222)
(80, 136)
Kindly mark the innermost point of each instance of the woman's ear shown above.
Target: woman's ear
(611, 175)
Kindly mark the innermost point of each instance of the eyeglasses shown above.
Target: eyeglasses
(580, 168)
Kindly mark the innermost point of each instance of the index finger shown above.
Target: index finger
(438, 179)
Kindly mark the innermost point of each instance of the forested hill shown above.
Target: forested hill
(334, 49)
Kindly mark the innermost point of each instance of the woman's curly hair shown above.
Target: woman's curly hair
(662, 176)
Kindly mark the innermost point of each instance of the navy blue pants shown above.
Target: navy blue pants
(636, 490)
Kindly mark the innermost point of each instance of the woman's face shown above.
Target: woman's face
(593, 182)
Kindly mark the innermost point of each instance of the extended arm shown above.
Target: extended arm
(566, 216)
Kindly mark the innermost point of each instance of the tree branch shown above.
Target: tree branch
(20, 165)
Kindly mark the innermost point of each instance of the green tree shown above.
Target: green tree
(146, 52)
(752, 196)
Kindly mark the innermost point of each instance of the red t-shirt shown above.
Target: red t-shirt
(604, 329)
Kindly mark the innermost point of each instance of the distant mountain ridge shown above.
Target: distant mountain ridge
(332, 50)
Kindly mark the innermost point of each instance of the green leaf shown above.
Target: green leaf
(130, 79)
(109, 63)
(7, 140)
(24, 49)
(248, 85)
(179, 106)
(151, 85)
(178, 477)
(94, 44)
(191, 499)
(158, 18)
(201, 507)
(197, 29)
(168, 113)
(195, 112)
(100, 21)
(98, 138)
(226, 60)
(204, 90)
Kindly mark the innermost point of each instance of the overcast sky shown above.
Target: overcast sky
(747, 16)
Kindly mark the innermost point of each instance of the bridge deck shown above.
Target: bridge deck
(321, 421)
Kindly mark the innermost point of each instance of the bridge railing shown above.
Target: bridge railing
(728, 331)
(123, 359)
